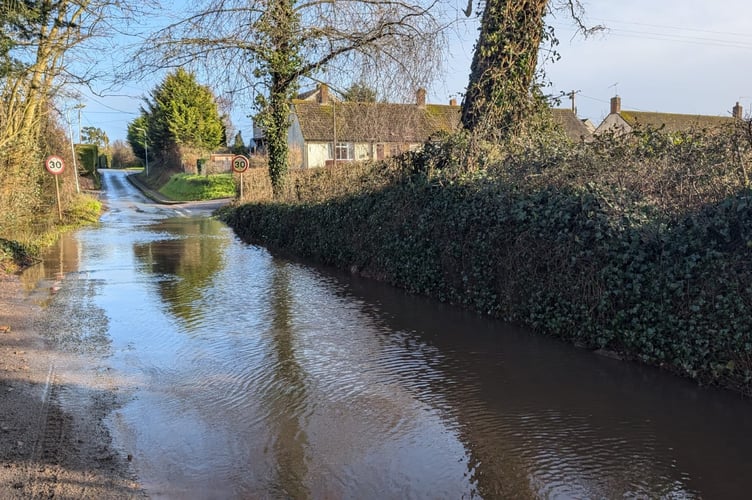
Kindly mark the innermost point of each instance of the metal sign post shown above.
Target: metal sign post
(55, 166)
(240, 164)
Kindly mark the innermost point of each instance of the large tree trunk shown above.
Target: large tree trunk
(499, 95)
(276, 136)
(279, 26)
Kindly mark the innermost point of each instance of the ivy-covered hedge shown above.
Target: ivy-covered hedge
(595, 263)
(89, 161)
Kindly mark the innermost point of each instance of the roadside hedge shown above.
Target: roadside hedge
(88, 162)
(555, 241)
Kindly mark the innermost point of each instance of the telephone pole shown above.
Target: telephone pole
(79, 107)
(146, 149)
(571, 96)
(73, 151)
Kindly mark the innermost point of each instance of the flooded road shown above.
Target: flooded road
(249, 376)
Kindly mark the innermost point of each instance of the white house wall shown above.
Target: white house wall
(296, 143)
(316, 154)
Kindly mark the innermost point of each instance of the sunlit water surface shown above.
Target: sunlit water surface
(249, 376)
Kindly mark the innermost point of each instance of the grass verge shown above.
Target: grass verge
(190, 187)
(21, 247)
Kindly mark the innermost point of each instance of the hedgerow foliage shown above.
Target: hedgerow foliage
(639, 245)
(28, 205)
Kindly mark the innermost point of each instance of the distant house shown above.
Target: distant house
(220, 163)
(620, 121)
(577, 130)
(319, 94)
(324, 132)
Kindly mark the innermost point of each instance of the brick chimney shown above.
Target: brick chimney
(738, 111)
(453, 102)
(615, 105)
(420, 97)
(323, 93)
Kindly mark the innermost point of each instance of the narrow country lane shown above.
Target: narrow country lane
(221, 371)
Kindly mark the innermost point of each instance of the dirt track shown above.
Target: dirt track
(49, 449)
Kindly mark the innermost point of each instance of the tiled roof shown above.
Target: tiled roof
(674, 122)
(375, 122)
(572, 126)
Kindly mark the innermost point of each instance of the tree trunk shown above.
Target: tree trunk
(499, 95)
(281, 69)
(276, 135)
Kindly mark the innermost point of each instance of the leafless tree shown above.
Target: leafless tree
(54, 46)
(48, 48)
(263, 48)
(122, 155)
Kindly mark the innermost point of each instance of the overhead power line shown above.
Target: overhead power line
(673, 34)
(677, 28)
(652, 35)
(90, 98)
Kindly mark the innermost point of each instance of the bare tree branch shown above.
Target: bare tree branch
(268, 46)
(577, 12)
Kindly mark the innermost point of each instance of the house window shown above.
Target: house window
(343, 151)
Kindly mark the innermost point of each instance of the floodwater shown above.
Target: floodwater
(250, 376)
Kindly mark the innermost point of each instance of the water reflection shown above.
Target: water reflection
(73, 320)
(44, 279)
(285, 398)
(542, 419)
(257, 377)
(187, 262)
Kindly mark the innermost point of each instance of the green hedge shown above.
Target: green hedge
(88, 161)
(592, 263)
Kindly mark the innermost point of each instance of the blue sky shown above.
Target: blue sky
(678, 56)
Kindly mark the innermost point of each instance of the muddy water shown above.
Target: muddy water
(249, 376)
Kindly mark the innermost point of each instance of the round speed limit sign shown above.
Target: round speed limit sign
(54, 165)
(239, 163)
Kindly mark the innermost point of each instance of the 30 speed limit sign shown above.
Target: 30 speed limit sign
(54, 165)
(239, 163)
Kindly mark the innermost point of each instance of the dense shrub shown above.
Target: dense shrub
(28, 204)
(88, 163)
(639, 245)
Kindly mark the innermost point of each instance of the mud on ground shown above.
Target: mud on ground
(53, 439)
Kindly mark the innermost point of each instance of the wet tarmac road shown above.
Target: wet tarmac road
(249, 376)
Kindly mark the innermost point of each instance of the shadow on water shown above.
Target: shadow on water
(540, 418)
(285, 397)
